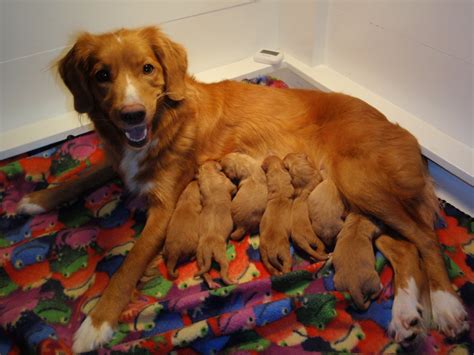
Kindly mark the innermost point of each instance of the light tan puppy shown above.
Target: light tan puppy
(182, 235)
(250, 201)
(275, 227)
(215, 223)
(326, 211)
(304, 178)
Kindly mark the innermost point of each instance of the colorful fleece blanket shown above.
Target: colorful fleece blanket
(54, 267)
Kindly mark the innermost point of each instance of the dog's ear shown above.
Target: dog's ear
(73, 70)
(173, 59)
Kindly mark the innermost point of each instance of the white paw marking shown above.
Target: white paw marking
(407, 325)
(27, 207)
(88, 337)
(449, 314)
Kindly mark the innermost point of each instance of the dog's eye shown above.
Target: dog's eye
(148, 68)
(102, 76)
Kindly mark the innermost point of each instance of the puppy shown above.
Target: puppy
(215, 223)
(304, 179)
(182, 235)
(275, 227)
(250, 201)
(354, 260)
(326, 211)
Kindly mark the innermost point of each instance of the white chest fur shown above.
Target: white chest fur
(130, 167)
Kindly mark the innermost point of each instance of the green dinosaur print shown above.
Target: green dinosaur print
(53, 311)
(69, 261)
(6, 285)
(63, 164)
(293, 283)
(453, 269)
(230, 252)
(12, 169)
(318, 310)
(157, 287)
(222, 291)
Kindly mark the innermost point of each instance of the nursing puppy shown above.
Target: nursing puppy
(275, 227)
(215, 223)
(182, 235)
(326, 211)
(354, 260)
(157, 124)
(304, 179)
(250, 200)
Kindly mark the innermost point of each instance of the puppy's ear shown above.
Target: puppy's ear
(173, 59)
(73, 70)
(265, 165)
(218, 166)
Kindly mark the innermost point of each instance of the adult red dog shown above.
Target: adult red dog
(158, 124)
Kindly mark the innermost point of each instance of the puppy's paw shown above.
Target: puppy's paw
(449, 315)
(209, 249)
(89, 337)
(407, 326)
(277, 257)
(30, 205)
(310, 245)
(362, 285)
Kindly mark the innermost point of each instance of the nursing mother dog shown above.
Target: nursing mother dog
(158, 124)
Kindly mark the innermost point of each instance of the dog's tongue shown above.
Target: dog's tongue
(136, 134)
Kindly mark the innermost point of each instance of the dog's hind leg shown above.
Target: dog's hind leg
(411, 311)
(401, 199)
(45, 200)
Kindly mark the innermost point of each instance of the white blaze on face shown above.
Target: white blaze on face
(119, 40)
(131, 95)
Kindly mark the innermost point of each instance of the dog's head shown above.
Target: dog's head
(124, 76)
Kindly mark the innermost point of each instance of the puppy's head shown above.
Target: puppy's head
(123, 77)
(272, 161)
(300, 169)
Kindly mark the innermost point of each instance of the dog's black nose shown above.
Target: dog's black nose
(133, 115)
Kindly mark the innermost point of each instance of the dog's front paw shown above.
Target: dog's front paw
(408, 326)
(449, 315)
(30, 205)
(91, 337)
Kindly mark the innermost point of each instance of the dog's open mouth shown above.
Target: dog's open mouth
(137, 136)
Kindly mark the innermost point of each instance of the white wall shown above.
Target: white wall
(417, 54)
(34, 34)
